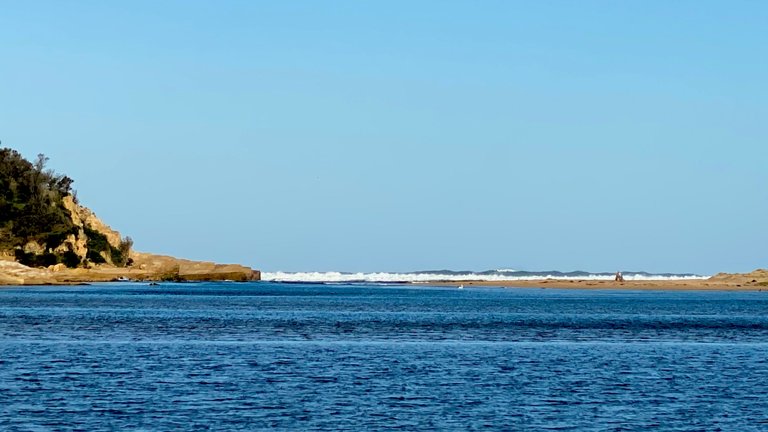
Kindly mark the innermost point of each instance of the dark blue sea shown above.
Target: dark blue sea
(227, 356)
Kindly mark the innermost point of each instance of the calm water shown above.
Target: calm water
(260, 355)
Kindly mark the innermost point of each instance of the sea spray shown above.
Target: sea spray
(459, 276)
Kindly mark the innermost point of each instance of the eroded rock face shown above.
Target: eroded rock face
(72, 243)
(87, 231)
(57, 267)
(34, 248)
(144, 267)
(94, 223)
(82, 218)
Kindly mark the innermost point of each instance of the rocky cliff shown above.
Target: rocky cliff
(89, 229)
(99, 265)
(133, 265)
(46, 236)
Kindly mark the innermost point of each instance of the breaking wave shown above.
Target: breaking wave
(459, 276)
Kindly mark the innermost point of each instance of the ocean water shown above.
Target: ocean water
(458, 276)
(252, 356)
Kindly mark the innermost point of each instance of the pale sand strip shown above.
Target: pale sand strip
(712, 284)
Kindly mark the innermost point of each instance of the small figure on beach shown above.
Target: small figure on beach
(619, 277)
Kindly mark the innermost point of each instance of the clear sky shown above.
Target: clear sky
(405, 135)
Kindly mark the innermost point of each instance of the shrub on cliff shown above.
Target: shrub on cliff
(120, 254)
(99, 248)
(34, 220)
(31, 207)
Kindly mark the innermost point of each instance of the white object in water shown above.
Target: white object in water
(461, 286)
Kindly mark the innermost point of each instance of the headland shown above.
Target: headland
(48, 237)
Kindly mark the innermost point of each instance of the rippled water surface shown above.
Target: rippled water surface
(354, 357)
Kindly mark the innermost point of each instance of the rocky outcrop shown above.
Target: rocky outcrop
(143, 266)
(46, 236)
(84, 217)
(86, 241)
(148, 267)
(73, 243)
(13, 273)
(33, 247)
(170, 268)
(87, 223)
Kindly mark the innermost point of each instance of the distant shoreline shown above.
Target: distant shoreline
(756, 280)
(151, 268)
(713, 284)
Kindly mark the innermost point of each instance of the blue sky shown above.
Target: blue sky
(396, 136)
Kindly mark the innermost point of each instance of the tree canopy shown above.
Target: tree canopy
(31, 206)
(32, 210)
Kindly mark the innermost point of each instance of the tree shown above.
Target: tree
(31, 201)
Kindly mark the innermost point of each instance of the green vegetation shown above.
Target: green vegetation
(31, 207)
(70, 259)
(32, 212)
(120, 254)
(96, 244)
(99, 247)
(36, 260)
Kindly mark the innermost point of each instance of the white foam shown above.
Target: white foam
(339, 277)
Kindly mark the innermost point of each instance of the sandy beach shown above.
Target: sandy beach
(753, 281)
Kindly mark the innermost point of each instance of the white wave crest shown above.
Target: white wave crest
(383, 277)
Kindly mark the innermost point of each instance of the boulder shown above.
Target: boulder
(34, 248)
(57, 267)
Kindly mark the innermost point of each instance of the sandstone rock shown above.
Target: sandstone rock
(85, 217)
(72, 243)
(165, 267)
(13, 273)
(156, 268)
(57, 267)
(33, 247)
(6, 279)
(145, 266)
(74, 210)
(94, 223)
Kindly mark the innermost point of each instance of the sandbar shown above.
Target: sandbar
(754, 281)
